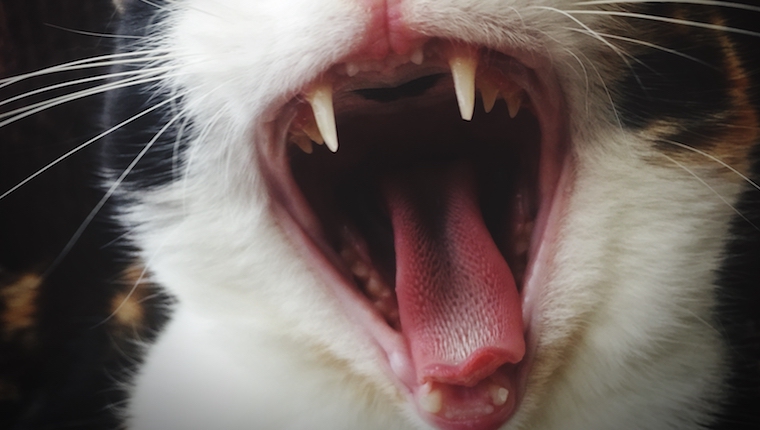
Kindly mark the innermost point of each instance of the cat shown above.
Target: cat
(448, 214)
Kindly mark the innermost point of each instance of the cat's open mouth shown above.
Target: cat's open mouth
(421, 186)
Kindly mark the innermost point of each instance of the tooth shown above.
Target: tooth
(463, 69)
(430, 400)
(499, 395)
(514, 102)
(360, 270)
(376, 288)
(321, 102)
(303, 142)
(311, 130)
(352, 69)
(418, 56)
(522, 238)
(489, 93)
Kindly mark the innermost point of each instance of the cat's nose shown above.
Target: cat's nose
(386, 30)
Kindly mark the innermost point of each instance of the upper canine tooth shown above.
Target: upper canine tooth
(320, 99)
(489, 92)
(514, 102)
(463, 65)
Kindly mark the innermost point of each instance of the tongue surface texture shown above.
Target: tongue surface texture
(458, 303)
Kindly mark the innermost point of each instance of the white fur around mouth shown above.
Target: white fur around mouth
(332, 201)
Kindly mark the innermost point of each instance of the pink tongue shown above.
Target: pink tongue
(459, 306)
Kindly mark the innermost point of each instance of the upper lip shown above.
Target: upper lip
(310, 117)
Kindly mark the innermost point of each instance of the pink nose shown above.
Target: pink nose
(386, 30)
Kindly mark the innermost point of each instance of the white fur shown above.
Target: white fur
(257, 340)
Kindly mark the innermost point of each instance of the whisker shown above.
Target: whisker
(580, 62)
(651, 45)
(32, 109)
(666, 19)
(78, 82)
(91, 62)
(703, 182)
(82, 146)
(717, 3)
(715, 159)
(584, 26)
(112, 189)
(92, 33)
(596, 35)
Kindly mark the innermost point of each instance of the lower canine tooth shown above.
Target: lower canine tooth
(321, 102)
(463, 66)
(430, 401)
(499, 395)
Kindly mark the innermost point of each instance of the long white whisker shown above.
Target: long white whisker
(595, 35)
(715, 159)
(41, 106)
(725, 4)
(84, 145)
(580, 62)
(92, 33)
(668, 20)
(80, 81)
(91, 62)
(111, 190)
(650, 45)
(723, 199)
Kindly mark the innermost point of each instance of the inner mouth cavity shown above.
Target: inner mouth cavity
(428, 210)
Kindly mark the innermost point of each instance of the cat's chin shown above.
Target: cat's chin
(430, 228)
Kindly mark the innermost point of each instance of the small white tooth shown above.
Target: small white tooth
(499, 395)
(360, 270)
(376, 288)
(514, 102)
(303, 142)
(418, 56)
(352, 69)
(463, 69)
(431, 401)
(489, 93)
(321, 102)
